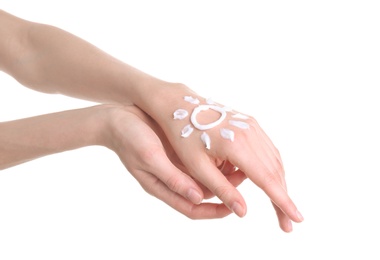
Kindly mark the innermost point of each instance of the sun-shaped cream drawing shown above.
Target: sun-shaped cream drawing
(226, 133)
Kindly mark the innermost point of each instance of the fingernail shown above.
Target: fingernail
(299, 215)
(238, 209)
(290, 226)
(194, 196)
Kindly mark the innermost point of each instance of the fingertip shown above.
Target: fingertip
(287, 226)
(239, 209)
(299, 216)
(194, 196)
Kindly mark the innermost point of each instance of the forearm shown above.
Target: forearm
(30, 138)
(52, 60)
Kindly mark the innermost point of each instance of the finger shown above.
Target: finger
(207, 194)
(272, 152)
(232, 173)
(210, 176)
(172, 177)
(283, 220)
(235, 178)
(267, 179)
(279, 196)
(226, 167)
(269, 152)
(158, 189)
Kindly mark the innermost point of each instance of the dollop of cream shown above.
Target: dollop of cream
(240, 124)
(206, 140)
(227, 134)
(209, 101)
(201, 108)
(180, 114)
(240, 116)
(186, 131)
(191, 100)
(227, 109)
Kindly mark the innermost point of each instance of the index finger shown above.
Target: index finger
(266, 176)
(206, 172)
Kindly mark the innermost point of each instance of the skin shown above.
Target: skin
(125, 130)
(50, 60)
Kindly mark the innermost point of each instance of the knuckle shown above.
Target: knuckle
(149, 156)
(279, 169)
(223, 192)
(174, 183)
(268, 181)
(253, 124)
(149, 187)
(190, 212)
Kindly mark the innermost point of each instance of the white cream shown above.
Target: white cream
(200, 108)
(180, 114)
(240, 124)
(206, 140)
(227, 109)
(191, 100)
(240, 116)
(186, 131)
(209, 101)
(227, 134)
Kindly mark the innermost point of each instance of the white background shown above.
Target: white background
(308, 71)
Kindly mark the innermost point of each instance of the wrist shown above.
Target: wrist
(159, 99)
(103, 124)
(114, 121)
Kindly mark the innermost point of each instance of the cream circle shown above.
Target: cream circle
(204, 108)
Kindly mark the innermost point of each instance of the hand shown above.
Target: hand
(152, 161)
(250, 150)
